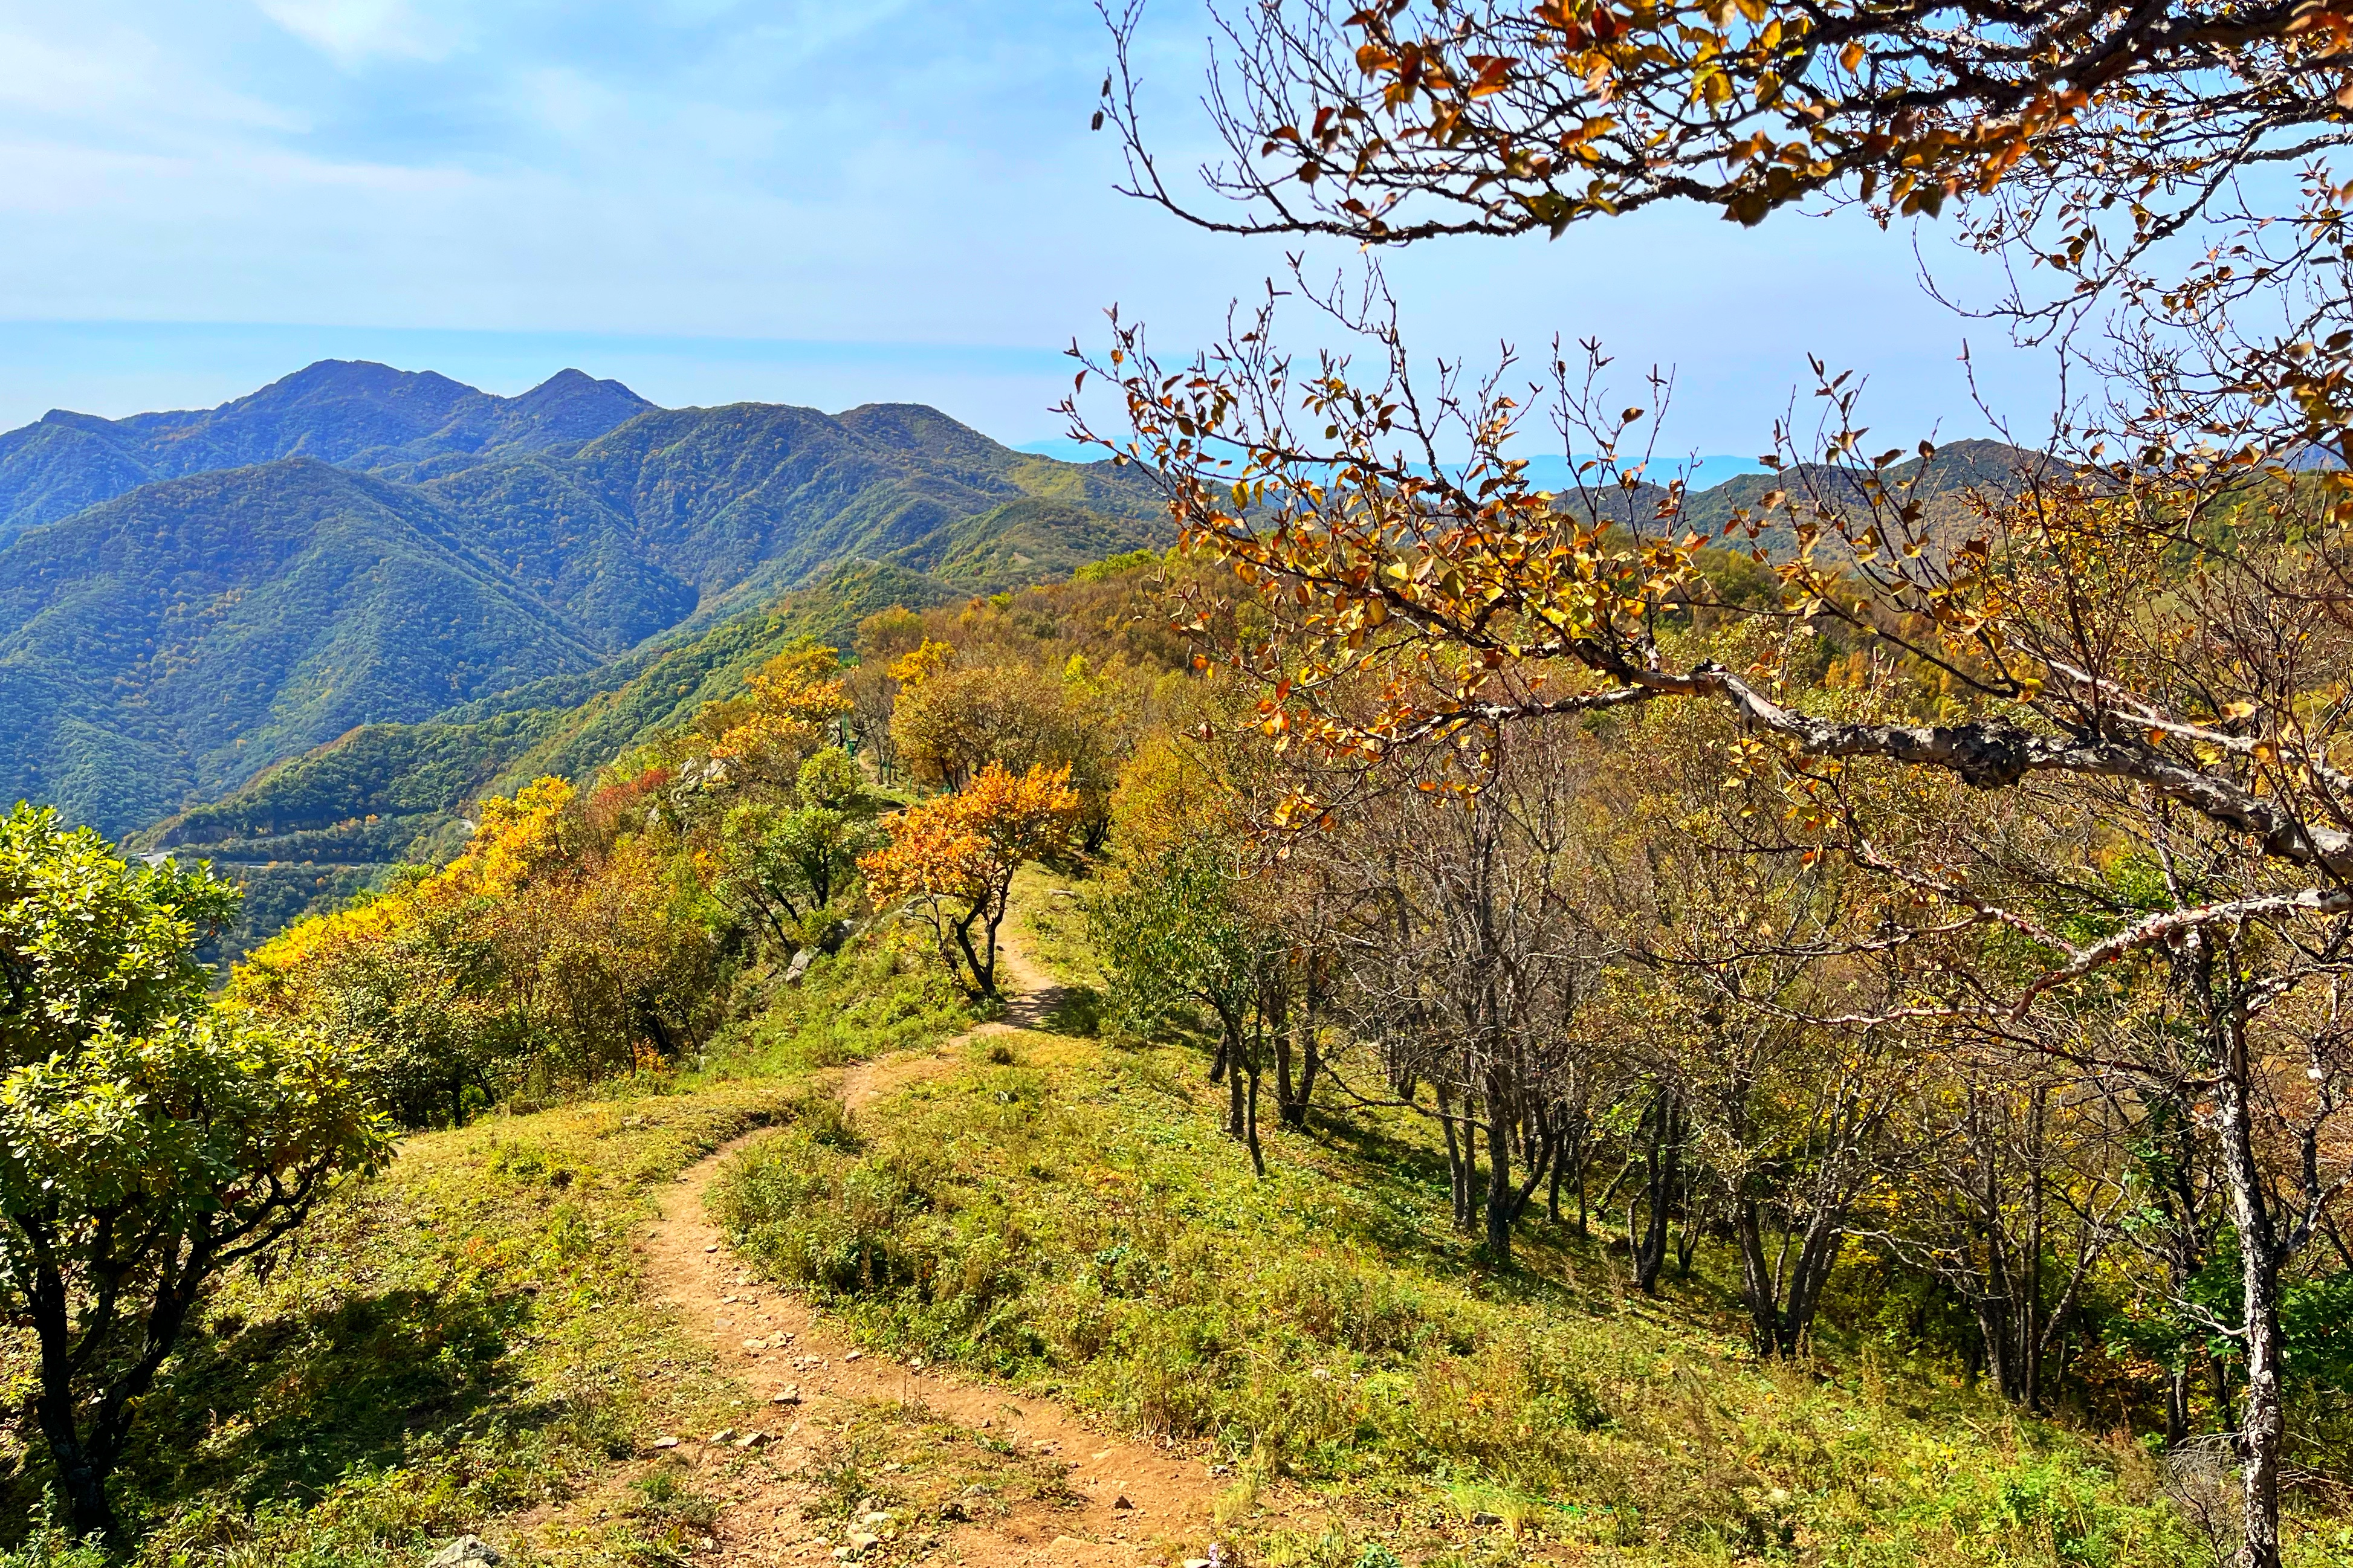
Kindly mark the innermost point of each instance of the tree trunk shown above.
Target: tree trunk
(984, 973)
(2263, 1419)
(1243, 1084)
(84, 1459)
(1659, 1165)
(1250, 1117)
(79, 1475)
(1230, 1057)
(1696, 1218)
(1500, 1192)
(1291, 1095)
(1461, 1164)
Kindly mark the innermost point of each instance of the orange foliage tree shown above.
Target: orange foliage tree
(953, 860)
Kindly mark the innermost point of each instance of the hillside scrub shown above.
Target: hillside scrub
(148, 1146)
(1647, 1170)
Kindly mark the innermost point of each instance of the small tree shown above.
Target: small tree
(146, 1143)
(1180, 933)
(780, 870)
(953, 860)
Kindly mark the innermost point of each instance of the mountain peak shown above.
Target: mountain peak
(571, 379)
(572, 405)
(346, 377)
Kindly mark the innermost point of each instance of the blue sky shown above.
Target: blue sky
(825, 201)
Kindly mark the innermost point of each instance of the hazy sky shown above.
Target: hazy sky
(825, 201)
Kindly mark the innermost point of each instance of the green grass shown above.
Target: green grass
(462, 1339)
(1072, 1222)
(1050, 922)
(458, 1340)
(883, 993)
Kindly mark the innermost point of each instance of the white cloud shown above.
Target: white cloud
(350, 31)
(118, 80)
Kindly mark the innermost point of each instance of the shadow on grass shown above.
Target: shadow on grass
(1403, 1181)
(322, 1394)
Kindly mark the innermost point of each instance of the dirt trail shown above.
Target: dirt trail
(1130, 1502)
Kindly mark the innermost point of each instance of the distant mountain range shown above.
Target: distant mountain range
(298, 633)
(186, 598)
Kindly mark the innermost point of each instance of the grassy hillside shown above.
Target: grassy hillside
(468, 1343)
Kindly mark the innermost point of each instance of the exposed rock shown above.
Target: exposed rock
(466, 1551)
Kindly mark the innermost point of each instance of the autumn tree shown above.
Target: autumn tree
(952, 859)
(1468, 957)
(1181, 930)
(881, 639)
(757, 742)
(537, 956)
(1731, 946)
(2014, 1202)
(952, 721)
(2154, 620)
(1408, 119)
(147, 1143)
(1201, 910)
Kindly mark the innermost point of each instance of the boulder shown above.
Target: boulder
(466, 1551)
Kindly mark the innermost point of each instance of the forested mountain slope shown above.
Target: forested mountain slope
(354, 415)
(179, 637)
(329, 822)
(186, 598)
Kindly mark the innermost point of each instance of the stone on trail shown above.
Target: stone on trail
(466, 1551)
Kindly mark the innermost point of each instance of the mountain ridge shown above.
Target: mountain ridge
(354, 543)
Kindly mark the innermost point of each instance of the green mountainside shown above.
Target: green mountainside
(175, 640)
(354, 415)
(322, 825)
(188, 598)
(304, 668)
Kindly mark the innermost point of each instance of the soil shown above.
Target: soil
(1122, 1501)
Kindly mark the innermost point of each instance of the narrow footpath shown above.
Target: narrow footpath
(1128, 1502)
